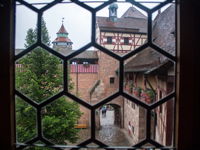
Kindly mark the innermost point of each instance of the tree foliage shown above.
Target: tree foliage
(41, 78)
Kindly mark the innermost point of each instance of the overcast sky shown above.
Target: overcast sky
(77, 20)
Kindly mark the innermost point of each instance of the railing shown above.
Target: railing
(80, 68)
(84, 68)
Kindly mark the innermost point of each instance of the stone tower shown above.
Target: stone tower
(62, 42)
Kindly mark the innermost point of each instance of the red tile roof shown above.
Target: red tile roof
(62, 30)
(131, 21)
(123, 24)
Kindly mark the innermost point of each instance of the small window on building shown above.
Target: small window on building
(109, 40)
(112, 80)
(126, 40)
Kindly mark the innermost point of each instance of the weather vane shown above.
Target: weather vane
(63, 20)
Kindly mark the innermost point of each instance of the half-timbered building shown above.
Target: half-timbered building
(122, 34)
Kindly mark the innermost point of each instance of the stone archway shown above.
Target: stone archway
(117, 114)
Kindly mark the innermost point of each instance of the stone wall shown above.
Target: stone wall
(131, 114)
(85, 83)
(136, 116)
(142, 123)
(107, 69)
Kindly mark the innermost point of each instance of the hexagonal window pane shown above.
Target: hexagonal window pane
(121, 27)
(39, 4)
(149, 146)
(146, 73)
(120, 122)
(25, 34)
(66, 122)
(25, 120)
(93, 75)
(39, 74)
(162, 120)
(151, 4)
(163, 29)
(39, 146)
(68, 32)
(92, 3)
(92, 146)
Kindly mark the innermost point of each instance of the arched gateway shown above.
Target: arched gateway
(113, 117)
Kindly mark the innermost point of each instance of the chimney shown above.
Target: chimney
(159, 11)
(113, 12)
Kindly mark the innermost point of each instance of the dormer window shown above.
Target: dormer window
(173, 33)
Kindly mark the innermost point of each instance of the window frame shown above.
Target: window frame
(126, 40)
(112, 80)
(186, 133)
(109, 40)
(7, 105)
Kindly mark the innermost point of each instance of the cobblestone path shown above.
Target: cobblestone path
(109, 133)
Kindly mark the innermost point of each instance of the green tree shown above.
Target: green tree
(40, 78)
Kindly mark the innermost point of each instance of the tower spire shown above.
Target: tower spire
(63, 20)
(62, 39)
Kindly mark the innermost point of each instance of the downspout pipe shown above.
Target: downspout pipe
(149, 83)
